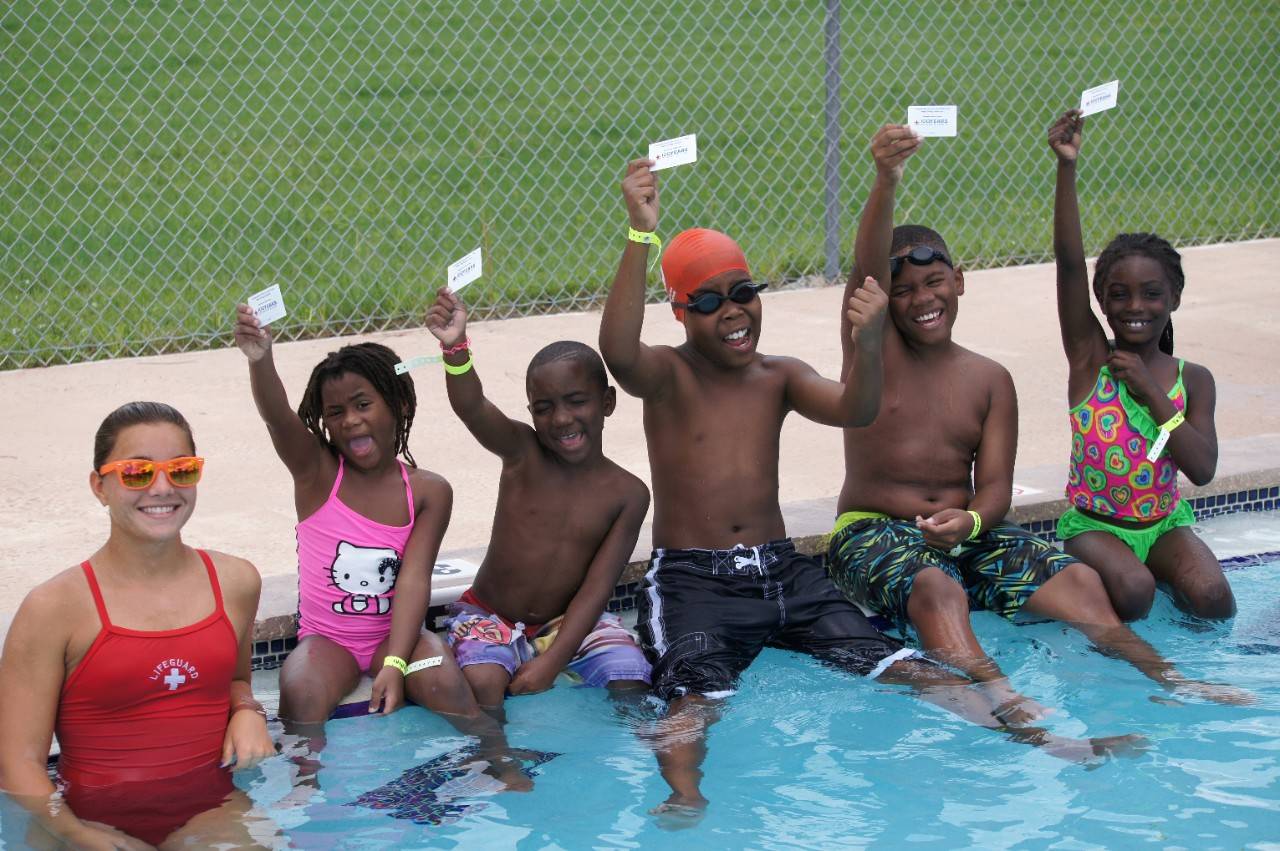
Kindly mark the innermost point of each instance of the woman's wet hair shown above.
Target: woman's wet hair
(1143, 245)
(132, 414)
(376, 364)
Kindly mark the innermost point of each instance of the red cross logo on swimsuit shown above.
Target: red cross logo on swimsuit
(173, 673)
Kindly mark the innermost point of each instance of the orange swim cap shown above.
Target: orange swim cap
(693, 257)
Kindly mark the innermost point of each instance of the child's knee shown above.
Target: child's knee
(934, 593)
(1212, 599)
(1132, 594)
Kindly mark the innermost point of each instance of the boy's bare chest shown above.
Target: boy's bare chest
(558, 509)
(945, 407)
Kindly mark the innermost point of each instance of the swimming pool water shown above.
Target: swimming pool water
(806, 757)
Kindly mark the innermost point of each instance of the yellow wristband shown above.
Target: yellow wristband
(396, 662)
(1173, 422)
(462, 368)
(977, 525)
(646, 238)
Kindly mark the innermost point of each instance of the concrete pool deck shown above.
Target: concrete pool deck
(1228, 321)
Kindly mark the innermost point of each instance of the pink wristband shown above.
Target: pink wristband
(464, 346)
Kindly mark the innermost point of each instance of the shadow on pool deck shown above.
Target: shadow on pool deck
(1228, 321)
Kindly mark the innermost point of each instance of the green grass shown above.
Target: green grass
(159, 161)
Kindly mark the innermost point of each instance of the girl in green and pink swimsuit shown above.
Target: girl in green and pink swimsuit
(1138, 415)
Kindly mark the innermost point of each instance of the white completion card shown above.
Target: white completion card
(1098, 98)
(268, 305)
(464, 271)
(939, 120)
(671, 152)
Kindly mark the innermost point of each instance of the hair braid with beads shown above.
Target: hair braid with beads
(375, 363)
(1145, 245)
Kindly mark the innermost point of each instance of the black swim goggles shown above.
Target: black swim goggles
(921, 255)
(742, 292)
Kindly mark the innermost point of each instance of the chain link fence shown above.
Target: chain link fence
(159, 161)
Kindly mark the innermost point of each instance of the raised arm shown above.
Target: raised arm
(413, 586)
(447, 321)
(299, 449)
(855, 401)
(890, 148)
(1082, 336)
(638, 368)
(593, 595)
(992, 469)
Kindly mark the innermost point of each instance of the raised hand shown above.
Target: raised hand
(866, 312)
(1066, 135)
(251, 338)
(890, 148)
(640, 191)
(447, 318)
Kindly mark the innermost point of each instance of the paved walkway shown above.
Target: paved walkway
(1228, 321)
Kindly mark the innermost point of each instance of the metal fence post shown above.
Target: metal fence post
(831, 158)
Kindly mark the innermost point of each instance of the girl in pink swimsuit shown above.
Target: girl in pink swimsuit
(1138, 415)
(369, 527)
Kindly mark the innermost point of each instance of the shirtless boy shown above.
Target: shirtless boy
(921, 532)
(566, 522)
(724, 580)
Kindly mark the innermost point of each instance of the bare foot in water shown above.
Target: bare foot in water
(1016, 710)
(1096, 751)
(680, 812)
(509, 771)
(1216, 692)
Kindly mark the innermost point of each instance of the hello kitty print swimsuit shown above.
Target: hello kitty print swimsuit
(1109, 472)
(347, 568)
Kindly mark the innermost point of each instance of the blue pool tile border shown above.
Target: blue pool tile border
(270, 653)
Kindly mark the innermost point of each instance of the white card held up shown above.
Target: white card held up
(937, 120)
(464, 271)
(681, 151)
(268, 305)
(1106, 96)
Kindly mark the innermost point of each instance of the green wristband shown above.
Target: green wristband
(977, 525)
(462, 368)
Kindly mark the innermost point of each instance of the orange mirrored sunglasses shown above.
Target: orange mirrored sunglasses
(138, 473)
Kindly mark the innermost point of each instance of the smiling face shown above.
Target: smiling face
(358, 420)
(1137, 300)
(729, 335)
(568, 406)
(158, 512)
(923, 300)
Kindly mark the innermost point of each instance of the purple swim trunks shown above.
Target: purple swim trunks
(478, 636)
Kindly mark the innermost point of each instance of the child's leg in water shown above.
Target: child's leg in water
(1184, 562)
(315, 677)
(449, 692)
(939, 610)
(956, 695)
(1128, 581)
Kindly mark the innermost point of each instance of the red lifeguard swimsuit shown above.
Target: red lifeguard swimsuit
(146, 705)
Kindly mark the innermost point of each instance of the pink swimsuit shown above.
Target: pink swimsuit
(347, 567)
(1109, 473)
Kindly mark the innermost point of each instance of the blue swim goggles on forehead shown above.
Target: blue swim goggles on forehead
(921, 255)
(742, 292)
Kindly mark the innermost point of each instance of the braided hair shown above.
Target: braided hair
(1145, 245)
(375, 363)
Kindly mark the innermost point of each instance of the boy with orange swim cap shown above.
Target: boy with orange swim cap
(724, 580)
